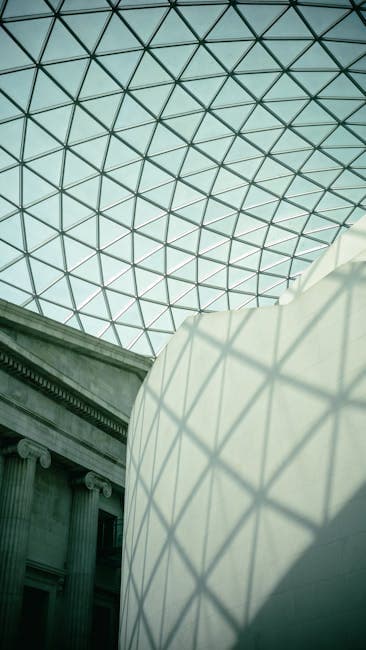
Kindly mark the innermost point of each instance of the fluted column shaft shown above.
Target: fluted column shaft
(15, 511)
(79, 588)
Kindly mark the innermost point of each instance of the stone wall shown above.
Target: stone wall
(246, 501)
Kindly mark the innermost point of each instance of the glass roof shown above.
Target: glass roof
(164, 158)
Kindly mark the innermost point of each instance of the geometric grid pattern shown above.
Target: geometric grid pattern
(243, 460)
(159, 159)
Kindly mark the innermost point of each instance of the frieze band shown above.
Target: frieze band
(70, 400)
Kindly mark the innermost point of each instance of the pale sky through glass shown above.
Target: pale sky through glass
(158, 159)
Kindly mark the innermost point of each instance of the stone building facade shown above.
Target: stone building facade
(65, 400)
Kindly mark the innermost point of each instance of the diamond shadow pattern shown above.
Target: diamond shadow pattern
(245, 503)
(160, 159)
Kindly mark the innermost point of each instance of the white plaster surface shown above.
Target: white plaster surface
(246, 476)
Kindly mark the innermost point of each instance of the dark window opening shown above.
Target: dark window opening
(33, 626)
(109, 541)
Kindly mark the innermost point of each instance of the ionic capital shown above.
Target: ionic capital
(93, 481)
(28, 449)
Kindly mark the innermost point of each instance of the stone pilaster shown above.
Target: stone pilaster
(15, 510)
(79, 587)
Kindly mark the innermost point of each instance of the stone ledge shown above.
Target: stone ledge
(26, 370)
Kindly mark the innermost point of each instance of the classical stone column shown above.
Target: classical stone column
(15, 510)
(79, 586)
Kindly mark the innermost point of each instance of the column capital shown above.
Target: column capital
(93, 481)
(26, 448)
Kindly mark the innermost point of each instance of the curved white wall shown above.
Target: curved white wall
(246, 499)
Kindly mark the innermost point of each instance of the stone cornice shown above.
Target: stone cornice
(29, 369)
(49, 330)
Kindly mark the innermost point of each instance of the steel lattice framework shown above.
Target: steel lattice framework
(164, 158)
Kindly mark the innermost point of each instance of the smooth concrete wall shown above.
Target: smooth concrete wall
(246, 480)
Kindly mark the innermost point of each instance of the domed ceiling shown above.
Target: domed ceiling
(164, 158)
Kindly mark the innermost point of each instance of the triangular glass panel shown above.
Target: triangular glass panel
(117, 33)
(97, 82)
(84, 126)
(164, 140)
(144, 21)
(93, 150)
(31, 39)
(142, 345)
(287, 50)
(117, 302)
(138, 137)
(186, 125)
(96, 307)
(341, 87)
(70, 74)
(205, 89)
(53, 311)
(201, 18)
(103, 108)
(8, 108)
(112, 193)
(211, 128)
(86, 192)
(11, 55)
(286, 109)
(43, 274)
(229, 53)
(257, 83)
(216, 149)
(86, 232)
(56, 121)
(11, 136)
(289, 23)
(51, 253)
(173, 30)
(229, 26)
(131, 113)
(8, 255)
(155, 97)
(49, 167)
(81, 290)
(202, 65)
(61, 41)
(315, 57)
(203, 180)
(122, 66)
(15, 8)
(260, 17)
(45, 89)
(18, 275)
(174, 59)
(350, 28)
(75, 169)
(36, 231)
(11, 231)
(37, 141)
(75, 252)
(313, 81)
(233, 116)
(87, 27)
(34, 188)
(321, 18)
(128, 175)
(346, 53)
(257, 59)
(232, 93)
